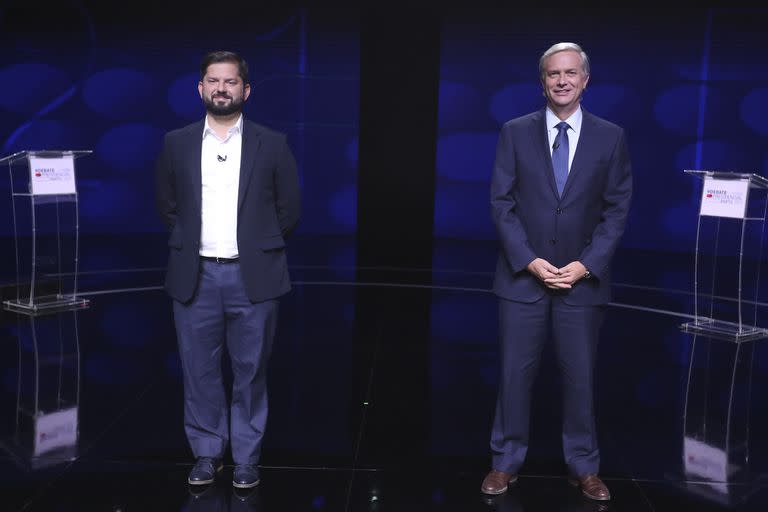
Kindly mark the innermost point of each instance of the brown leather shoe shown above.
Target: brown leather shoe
(591, 487)
(496, 482)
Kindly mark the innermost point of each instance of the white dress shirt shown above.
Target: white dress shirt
(574, 130)
(220, 166)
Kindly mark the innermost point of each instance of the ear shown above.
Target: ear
(246, 91)
(200, 88)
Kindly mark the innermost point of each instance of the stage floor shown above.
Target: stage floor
(382, 386)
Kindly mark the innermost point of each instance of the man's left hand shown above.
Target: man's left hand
(568, 275)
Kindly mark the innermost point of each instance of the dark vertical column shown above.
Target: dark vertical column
(400, 65)
(399, 78)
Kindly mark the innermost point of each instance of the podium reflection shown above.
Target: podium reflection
(717, 438)
(45, 428)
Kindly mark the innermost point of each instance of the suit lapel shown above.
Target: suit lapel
(541, 143)
(194, 163)
(251, 143)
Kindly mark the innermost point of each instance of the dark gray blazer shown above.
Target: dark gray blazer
(268, 209)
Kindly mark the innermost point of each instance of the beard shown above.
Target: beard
(227, 109)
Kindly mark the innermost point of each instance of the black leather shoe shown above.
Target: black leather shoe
(205, 470)
(246, 476)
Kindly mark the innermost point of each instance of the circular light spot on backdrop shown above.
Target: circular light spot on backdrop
(121, 94)
(184, 99)
(28, 87)
(516, 100)
(616, 103)
(131, 147)
(677, 109)
(467, 157)
(754, 110)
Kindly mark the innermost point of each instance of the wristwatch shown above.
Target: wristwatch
(587, 274)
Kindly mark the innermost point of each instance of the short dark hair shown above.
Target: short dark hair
(225, 56)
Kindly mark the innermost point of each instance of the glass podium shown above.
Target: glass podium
(46, 228)
(729, 252)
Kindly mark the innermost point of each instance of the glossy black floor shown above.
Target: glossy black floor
(382, 387)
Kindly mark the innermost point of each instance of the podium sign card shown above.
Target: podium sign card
(724, 198)
(55, 430)
(52, 176)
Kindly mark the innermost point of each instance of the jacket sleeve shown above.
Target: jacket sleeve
(616, 200)
(287, 193)
(512, 235)
(165, 188)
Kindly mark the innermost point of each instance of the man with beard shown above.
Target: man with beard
(228, 191)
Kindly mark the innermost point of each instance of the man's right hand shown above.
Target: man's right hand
(543, 269)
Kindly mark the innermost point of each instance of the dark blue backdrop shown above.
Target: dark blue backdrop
(79, 78)
(688, 87)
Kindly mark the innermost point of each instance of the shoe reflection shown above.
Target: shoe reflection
(245, 500)
(507, 502)
(511, 502)
(222, 497)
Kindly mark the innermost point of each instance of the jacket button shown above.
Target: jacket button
(559, 210)
(552, 241)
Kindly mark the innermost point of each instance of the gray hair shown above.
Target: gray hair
(562, 47)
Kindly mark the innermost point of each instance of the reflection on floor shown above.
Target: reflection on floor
(381, 399)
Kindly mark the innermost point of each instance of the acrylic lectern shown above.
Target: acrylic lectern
(729, 253)
(46, 229)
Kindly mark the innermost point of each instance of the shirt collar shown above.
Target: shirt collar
(574, 121)
(235, 128)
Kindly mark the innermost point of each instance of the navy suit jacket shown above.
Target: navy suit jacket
(533, 221)
(268, 208)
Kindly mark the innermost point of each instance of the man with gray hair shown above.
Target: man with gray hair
(560, 195)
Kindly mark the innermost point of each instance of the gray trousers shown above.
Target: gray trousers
(221, 313)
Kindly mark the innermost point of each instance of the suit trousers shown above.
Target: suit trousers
(574, 331)
(219, 313)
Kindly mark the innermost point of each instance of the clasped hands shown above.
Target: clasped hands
(557, 278)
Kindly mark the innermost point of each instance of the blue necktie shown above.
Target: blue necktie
(560, 156)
